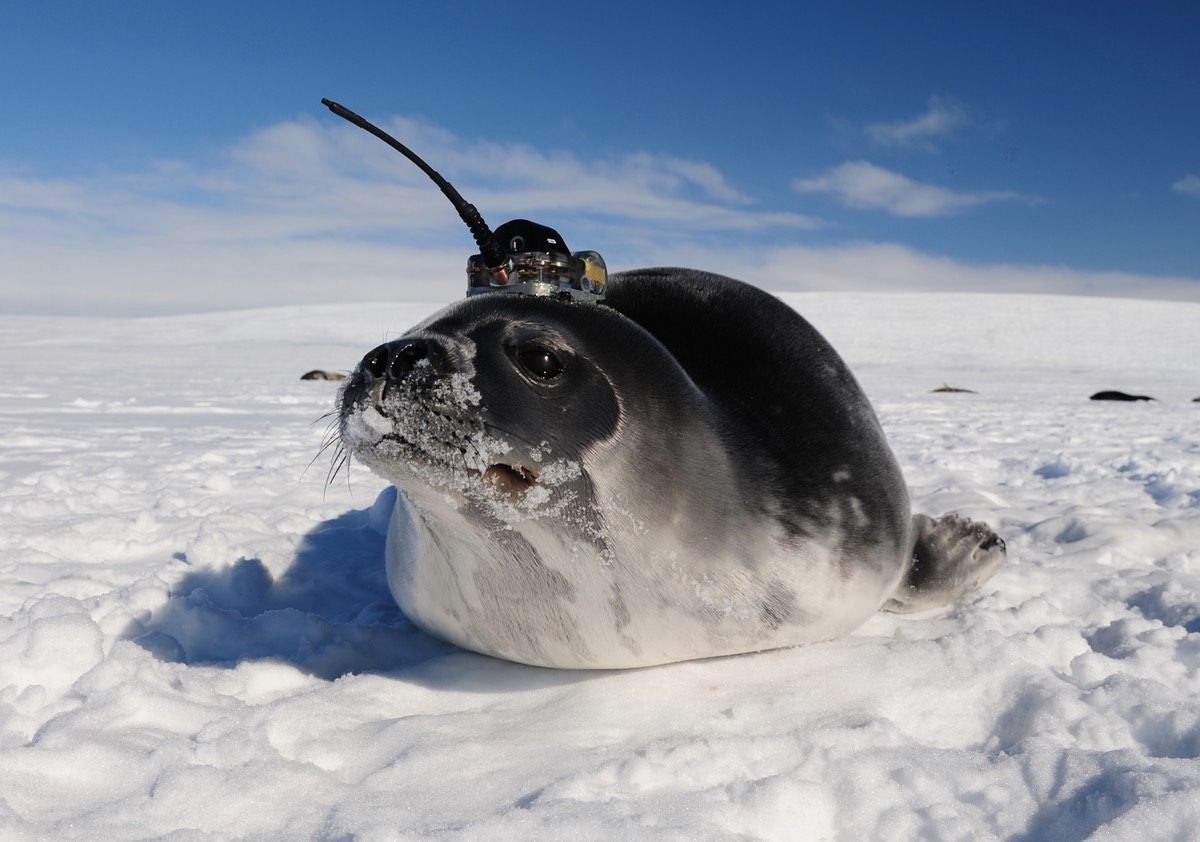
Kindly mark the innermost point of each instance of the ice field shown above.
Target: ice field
(197, 641)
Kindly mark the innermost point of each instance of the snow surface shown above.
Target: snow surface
(196, 636)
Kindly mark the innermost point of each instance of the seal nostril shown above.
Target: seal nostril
(395, 361)
(375, 363)
(406, 358)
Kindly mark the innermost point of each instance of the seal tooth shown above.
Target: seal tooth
(510, 480)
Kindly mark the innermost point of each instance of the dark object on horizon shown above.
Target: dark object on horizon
(1119, 396)
(1195, 400)
(948, 388)
(318, 374)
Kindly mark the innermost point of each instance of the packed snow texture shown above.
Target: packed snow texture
(196, 635)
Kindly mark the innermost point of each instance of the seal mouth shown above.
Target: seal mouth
(510, 480)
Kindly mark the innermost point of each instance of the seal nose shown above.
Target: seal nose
(396, 360)
(406, 358)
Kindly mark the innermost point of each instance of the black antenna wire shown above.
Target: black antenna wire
(493, 257)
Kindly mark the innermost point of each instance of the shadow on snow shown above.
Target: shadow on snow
(330, 614)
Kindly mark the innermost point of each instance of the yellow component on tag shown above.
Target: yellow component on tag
(595, 272)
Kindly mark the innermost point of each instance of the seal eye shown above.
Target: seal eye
(539, 361)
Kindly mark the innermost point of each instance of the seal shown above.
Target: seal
(687, 470)
(318, 374)
(664, 465)
(1113, 395)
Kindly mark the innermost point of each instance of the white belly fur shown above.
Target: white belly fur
(655, 600)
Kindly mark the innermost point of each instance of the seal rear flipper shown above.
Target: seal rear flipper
(951, 556)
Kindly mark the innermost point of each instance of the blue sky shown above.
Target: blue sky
(159, 157)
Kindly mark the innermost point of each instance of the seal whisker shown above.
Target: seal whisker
(341, 459)
(332, 436)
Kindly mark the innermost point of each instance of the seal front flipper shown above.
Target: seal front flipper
(951, 557)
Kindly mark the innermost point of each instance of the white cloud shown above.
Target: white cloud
(1189, 185)
(310, 212)
(942, 118)
(891, 267)
(302, 210)
(859, 184)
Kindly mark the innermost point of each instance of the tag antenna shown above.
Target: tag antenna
(491, 252)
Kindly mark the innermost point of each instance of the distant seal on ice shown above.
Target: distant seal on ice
(1113, 395)
(687, 470)
(318, 374)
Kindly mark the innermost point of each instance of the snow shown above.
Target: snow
(196, 636)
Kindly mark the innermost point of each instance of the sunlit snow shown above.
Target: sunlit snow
(196, 634)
